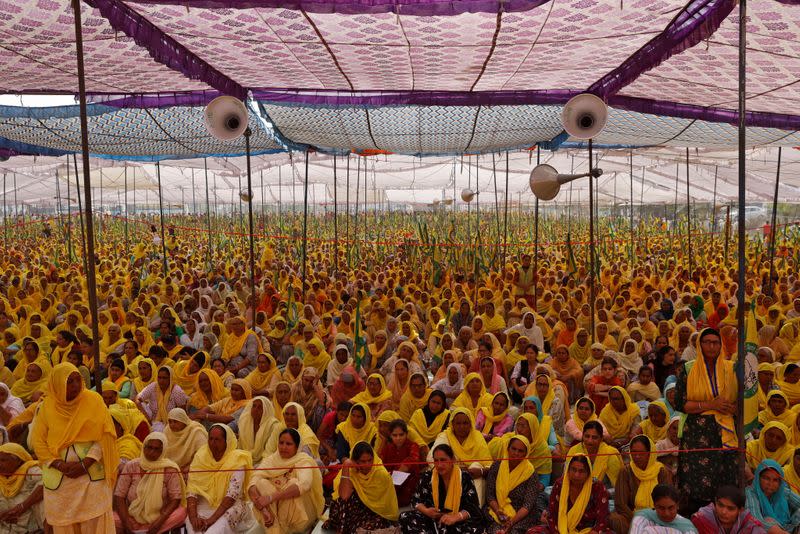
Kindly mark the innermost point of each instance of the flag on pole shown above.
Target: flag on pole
(750, 370)
(360, 341)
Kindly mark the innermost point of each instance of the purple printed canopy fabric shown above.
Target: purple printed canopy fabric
(673, 58)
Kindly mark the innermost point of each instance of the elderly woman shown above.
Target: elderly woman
(218, 478)
(150, 491)
(74, 439)
(184, 438)
(445, 500)
(512, 491)
(256, 424)
(241, 348)
(228, 409)
(21, 491)
(286, 488)
(308, 393)
(362, 498)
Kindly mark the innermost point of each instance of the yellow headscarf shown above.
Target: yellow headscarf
(228, 406)
(757, 450)
(372, 488)
(409, 403)
(579, 423)
(84, 419)
(508, 479)
(234, 344)
(452, 501)
(24, 389)
(790, 475)
(199, 399)
(569, 519)
(260, 380)
(465, 401)
(321, 360)
(767, 415)
(256, 441)
(209, 478)
(365, 397)
(648, 477)
(425, 431)
(352, 434)
(162, 397)
(182, 445)
(10, 485)
(128, 445)
(140, 384)
(474, 448)
(608, 461)
(619, 424)
(699, 388)
(147, 505)
(388, 416)
(656, 433)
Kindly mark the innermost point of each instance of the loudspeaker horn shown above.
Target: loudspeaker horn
(467, 195)
(545, 181)
(226, 118)
(246, 195)
(584, 116)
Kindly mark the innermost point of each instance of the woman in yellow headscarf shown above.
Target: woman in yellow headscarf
(75, 440)
(772, 444)
(286, 488)
(316, 356)
(415, 396)
(356, 428)
(31, 352)
(218, 478)
(208, 389)
(377, 396)
(620, 416)
(265, 376)
(580, 502)
(184, 438)
(511, 488)
(468, 444)
(362, 493)
(20, 490)
(256, 425)
(657, 422)
(151, 492)
(473, 396)
(430, 420)
(125, 423)
(605, 459)
(227, 409)
(33, 383)
(636, 481)
(777, 409)
(146, 375)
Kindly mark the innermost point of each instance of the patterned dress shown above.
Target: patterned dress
(347, 516)
(529, 495)
(415, 522)
(595, 517)
(700, 473)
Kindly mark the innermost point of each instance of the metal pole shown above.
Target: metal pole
(505, 216)
(347, 203)
(5, 220)
(358, 182)
(208, 214)
(127, 253)
(631, 212)
(714, 204)
(69, 214)
(253, 295)
(335, 220)
(194, 196)
(161, 218)
(305, 231)
(91, 282)
(591, 239)
(58, 205)
(773, 229)
(80, 213)
(280, 198)
(689, 217)
(536, 234)
(740, 296)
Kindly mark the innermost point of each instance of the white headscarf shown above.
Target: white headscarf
(13, 405)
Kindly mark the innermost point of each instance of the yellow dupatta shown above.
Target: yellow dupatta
(699, 388)
(261, 380)
(162, 397)
(452, 501)
(128, 445)
(228, 406)
(569, 519)
(182, 445)
(757, 449)
(648, 478)
(465, 401)
(199, 399)
(608, 461)
(619, 424)
(767, 415)
(352, 434)
(429, 432)
(474, 448)
(140, 384)
(147, 505)
(409, 403)
(321, 360)
(656, 433)
(373, 488)
(11, 484)
(508, 479)
(209, 478)
(365, 397)
(579, 423)
(488, 413)
(234, 344)
(256, 441)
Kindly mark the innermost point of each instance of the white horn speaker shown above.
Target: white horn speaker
(467, 195)
(245, 195)
(226, 118)
(545, 181)
(584, 116)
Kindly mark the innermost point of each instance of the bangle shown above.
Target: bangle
(345, 476)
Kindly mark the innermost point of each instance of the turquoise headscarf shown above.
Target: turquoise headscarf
(534, 399)
(680, 523)
(775, 507)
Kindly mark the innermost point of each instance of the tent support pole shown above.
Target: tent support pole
(630, 214)
(127, 244)
(496, 201)
(5, 220)
(194, 195)
(689, 216)
(591, 239)
(335, 220)
(305, 230)
(714, 205)
(773, 229)
(91, 281)
(253, 296)
(63, 231)
(208, 215)
(536, 233)
(80, 214)
(740, 290)
(505, 216)
(161, 219)
(347, 206)
(358, 182)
